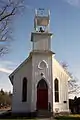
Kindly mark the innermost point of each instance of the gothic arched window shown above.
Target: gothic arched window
(24, 90)
(42, 84)
(56, 88)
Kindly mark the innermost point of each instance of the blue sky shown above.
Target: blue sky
(65, 26)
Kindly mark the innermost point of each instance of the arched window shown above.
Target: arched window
(56, 87)
(42, 84)
(24, 90)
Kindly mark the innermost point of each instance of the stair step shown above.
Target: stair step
(44, 113)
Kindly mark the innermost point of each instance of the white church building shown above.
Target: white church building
(40, 82)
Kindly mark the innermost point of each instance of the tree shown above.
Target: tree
(2, 92)
(74, 87)
(8, 10)
(5, 98)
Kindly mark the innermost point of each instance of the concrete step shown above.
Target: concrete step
(44, 113)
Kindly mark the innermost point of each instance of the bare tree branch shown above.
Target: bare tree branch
(3, 27)
(8, 10)
(73, 83)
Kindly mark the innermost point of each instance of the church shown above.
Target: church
(40, 82)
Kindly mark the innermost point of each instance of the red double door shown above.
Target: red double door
(42, 99)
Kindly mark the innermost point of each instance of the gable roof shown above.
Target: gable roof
(64, 70)
(11, 76)
(19, 67)
(29, 57)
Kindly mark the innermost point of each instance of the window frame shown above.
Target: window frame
(56, 89)
(24, 90)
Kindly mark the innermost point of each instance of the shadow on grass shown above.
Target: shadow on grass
(67, 118)
(9, 116)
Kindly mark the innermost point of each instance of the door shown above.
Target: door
(42, 95)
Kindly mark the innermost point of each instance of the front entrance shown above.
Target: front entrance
(42, 95)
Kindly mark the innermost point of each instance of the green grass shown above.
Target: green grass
(17, 119)
(70, 117)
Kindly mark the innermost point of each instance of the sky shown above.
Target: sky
(65, 26)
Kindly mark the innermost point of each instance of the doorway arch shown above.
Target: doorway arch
(42, 95)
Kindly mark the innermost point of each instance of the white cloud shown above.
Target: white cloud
(73, 2)
(6, 62)
(8, 65)
(5, 70)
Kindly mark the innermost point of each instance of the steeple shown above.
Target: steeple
(41, 37)
(41, 20)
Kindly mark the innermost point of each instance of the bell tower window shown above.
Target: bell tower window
(41, 20)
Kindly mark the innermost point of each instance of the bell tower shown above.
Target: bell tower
(41, 36)
(41, 61)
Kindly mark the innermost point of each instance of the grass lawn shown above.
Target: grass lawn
(24, 118)
(19, 119)
(70, 117)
